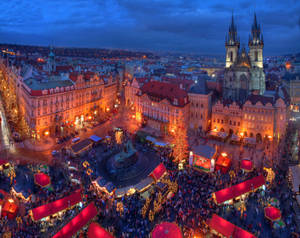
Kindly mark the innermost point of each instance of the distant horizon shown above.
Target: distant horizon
(138, 51)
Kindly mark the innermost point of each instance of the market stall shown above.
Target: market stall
(9, 208)
(223, 163)
(42, 180)
(227, 195)
(203, 158)
(246, 165)
(235, 139)
(96, 231)
(81, 147)
(77, 222)
(272, 213)
(166, 230)
(249, 141)
(223, 228)
(158, 172)
(53, 208)
(95, 139)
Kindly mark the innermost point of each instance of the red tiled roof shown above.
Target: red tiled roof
(259, 98)
(239, 189)
(164, 90)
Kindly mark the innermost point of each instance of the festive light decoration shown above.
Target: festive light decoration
(180, 150)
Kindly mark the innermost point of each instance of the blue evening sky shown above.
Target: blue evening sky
(194, 26)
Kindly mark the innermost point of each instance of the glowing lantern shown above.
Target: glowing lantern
(224, 154)
(46, 133)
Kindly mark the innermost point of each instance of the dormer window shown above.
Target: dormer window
(175, 101)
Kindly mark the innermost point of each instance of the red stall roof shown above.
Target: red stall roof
(166, 230)
(158, 171)
(246, 165)
(56, 206)
(227, 229)
(77, 222)
(272, 213)
(239, 189)
(42, 179)
(96, 231)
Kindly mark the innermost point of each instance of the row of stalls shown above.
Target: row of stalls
(233, 138)
(108, 187)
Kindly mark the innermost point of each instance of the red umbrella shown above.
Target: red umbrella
(96, 231)
(272, 213)
(247, 165)
(42, 179)
(166, 230)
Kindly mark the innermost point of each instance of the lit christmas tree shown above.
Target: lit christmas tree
(180, 141)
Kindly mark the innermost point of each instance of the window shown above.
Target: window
(231, 56)
(256, 56)
(238, 123)
(230, 122)
(218, 121)
(222, 121)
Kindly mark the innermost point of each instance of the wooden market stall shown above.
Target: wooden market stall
(78, 222)
(203, 158)
(9, 208)
(246, 165)
(53, 208)
(158, 172)
(81, 147)
(227, 195)
(223, 163)
(223, 228)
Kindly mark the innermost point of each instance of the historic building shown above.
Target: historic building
(243, 71)
(160, 104)
(246, 108)
(54, 103)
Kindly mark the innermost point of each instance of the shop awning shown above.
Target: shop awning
(159, 171)
(222, 135)
(247, 165)
(96, 231)
(2, 162)
(223, 161)
(239, 189)
(77, 222)
(151, 139)
(95, 138)
(166, 230)
(272, 213)
(227, 229)
(56, 206)
(42, 179)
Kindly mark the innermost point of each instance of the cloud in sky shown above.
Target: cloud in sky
(160, 25)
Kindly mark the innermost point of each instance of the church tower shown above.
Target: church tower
(232, 44)
(51, 65)
(256, 44)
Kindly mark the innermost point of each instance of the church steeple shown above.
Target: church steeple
(256, 37)
(232, 44)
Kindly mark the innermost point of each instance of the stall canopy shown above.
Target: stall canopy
(95, 138)
(81, 146)
(272, 213)
(239, 189)
(223, 163)
(166, 230)
(246, 165)
(159, 171)
(205, 151)
(77, 222)
(227, 229)
(250, 140)
(56, 206)
(42, 179)
(151, 139)
(96, 231)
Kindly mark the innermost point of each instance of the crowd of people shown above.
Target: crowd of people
(190, 207)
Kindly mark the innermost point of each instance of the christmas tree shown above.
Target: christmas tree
(180, 141)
